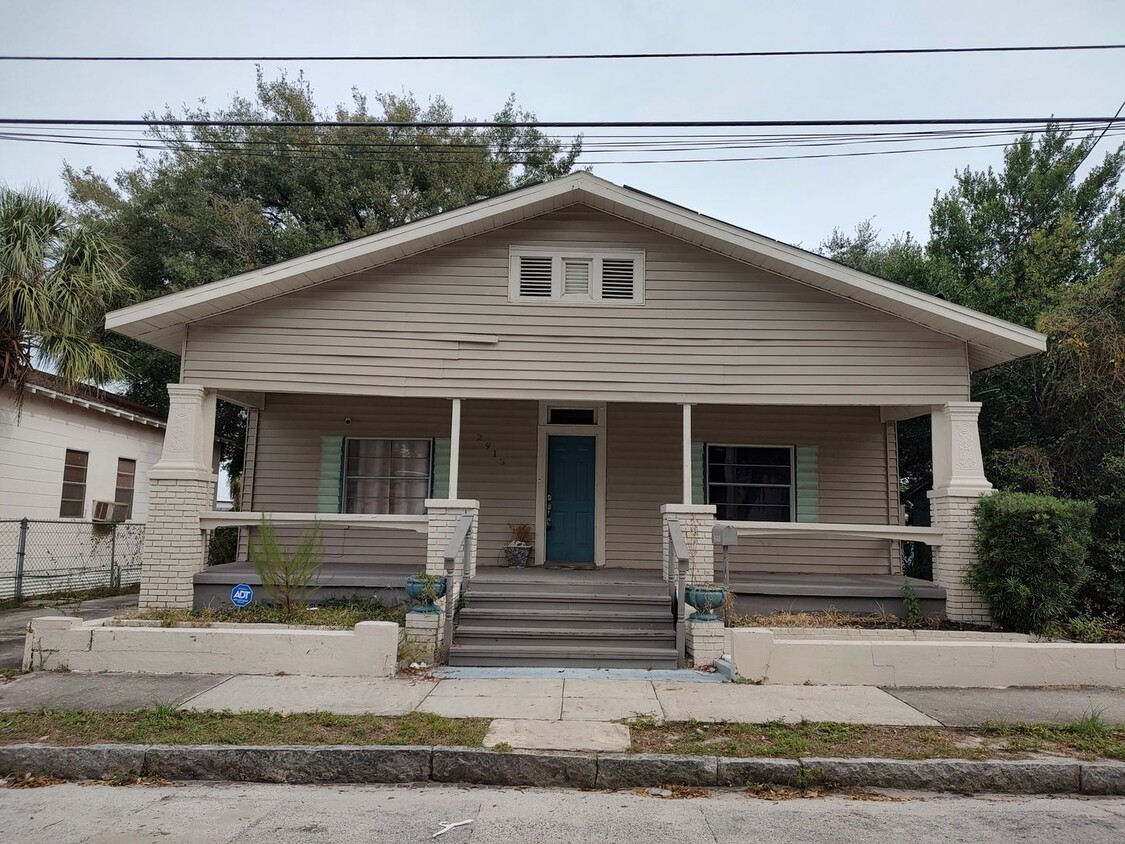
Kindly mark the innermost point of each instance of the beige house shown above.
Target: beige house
(592, 361)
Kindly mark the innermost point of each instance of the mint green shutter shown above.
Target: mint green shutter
(331, 463)
(441, 468)
(808, 483)
(698, 493)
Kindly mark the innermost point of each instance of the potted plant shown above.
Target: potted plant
(426, 588)
(519, 548)
(706, 598)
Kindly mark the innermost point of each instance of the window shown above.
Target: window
(750, 483)
(126, 484)
(572, 416)
(589, 276)
(387, 476)
(73, 504)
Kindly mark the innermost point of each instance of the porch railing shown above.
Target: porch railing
(458, 542)
(211, 519)
(676, 562)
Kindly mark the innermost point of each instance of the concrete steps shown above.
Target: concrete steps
(572, 619)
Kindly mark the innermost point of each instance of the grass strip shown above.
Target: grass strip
(167, 725)
(1088, 738)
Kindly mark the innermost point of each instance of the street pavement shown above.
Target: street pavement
(13, 623)
(202, 813)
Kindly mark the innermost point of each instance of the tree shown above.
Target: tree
(57, 279)
(222, 200)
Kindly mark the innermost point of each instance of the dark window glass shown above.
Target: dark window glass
(126, 484)
(73, 503)
(750, 483)
(572, 416)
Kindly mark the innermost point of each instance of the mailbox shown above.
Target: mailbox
(724, 535)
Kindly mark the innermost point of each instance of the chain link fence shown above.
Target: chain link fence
(40, 557)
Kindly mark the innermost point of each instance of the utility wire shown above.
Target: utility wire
(556, 124)
(461, 57)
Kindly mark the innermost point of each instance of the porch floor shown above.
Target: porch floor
(754, 593)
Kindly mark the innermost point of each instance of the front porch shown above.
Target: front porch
(805, 499)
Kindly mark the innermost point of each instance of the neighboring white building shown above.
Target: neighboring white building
(66, 451)
(71, 448)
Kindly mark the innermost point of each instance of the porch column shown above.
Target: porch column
(180, 486)
(454, 446)
(959, 482)
(696, 521)
(444, 515)
(686, 467)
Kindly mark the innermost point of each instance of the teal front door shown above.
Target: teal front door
(570, 499)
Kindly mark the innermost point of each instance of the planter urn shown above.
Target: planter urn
(517, 554)
(426, 590)
(705, 599)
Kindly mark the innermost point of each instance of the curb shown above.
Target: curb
(390, 764)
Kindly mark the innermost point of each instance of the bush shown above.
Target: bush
(1032, 552)
(1105, 590)
(1025, 468)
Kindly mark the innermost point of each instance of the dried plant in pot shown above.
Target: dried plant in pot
(518, 549)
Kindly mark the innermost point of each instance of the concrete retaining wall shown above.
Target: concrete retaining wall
(368, 650)
(919, 658)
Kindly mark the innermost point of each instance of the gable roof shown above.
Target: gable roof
(92, 398)
(162, 322)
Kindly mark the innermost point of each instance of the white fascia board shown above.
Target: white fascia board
(1003, 340)
(972, 326)
(367, 247)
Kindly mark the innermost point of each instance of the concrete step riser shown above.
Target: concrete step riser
(503, 641)
(469, 622)
(577, 661)
(612, 589)
(546, 603)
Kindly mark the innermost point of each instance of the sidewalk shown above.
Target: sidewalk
(563, 698)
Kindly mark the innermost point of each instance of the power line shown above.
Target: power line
(557, 124)
(461, 57)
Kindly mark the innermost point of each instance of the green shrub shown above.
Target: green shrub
(1105, 590)
(1032, 552)
(1025, 468)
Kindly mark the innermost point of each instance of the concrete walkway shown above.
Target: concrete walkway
(13, 623)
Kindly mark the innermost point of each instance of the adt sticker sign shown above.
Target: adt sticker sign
(241, 595)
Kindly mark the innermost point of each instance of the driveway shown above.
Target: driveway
(13, 623)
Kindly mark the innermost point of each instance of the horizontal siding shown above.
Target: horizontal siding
(498, 467)
(643, 456)
(711, 329)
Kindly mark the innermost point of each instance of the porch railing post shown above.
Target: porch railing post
(21, 559)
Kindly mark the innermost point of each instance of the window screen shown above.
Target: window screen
(73, 504)
(387, 476)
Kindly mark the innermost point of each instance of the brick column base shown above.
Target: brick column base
(444, 515)
(696, 521)
(422, 631)
(174, 547)
(705, 641)
(953, 515)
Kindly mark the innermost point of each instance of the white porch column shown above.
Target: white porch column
(444, 516)
(687, 454)
(181, 486)
(454, 447)
(959, 482)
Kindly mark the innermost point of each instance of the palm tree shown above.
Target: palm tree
(57, 280)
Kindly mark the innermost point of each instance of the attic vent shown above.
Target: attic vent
(618, 279)
(535, 276)
(576, 278)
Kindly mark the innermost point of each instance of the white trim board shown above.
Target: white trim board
(162, 322)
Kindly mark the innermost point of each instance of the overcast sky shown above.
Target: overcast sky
(795, 201)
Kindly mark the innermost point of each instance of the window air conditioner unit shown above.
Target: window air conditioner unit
(109, 512)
